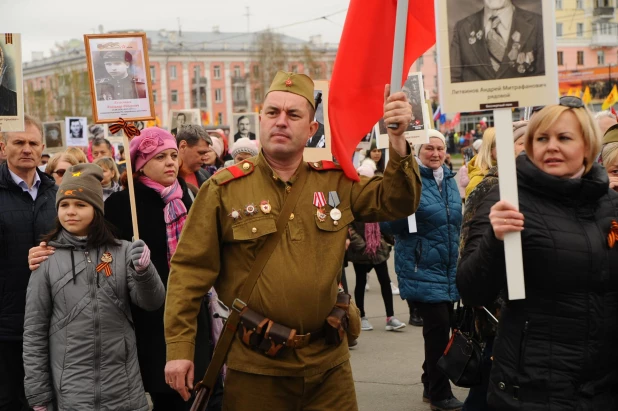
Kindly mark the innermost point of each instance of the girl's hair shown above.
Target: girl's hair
(110, 165)
(484, 161)
(78, 153)
(545, 118)
(101, 232)
(610, 154)
(52, 164)
(380, 164)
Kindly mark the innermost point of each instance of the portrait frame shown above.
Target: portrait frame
(312, 154)
(80, 141)
(527, 74)
(61, 143)
(192, 116)
(416, 132)
(254, 127)
(11, 83)
(115, 97)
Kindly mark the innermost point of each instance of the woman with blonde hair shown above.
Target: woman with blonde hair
(483, 161)
(110, 176)
(555, 349)
(59, 164)
(609, 155)
(78, 153)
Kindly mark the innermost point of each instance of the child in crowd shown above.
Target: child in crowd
(110, 176)
(79, 343)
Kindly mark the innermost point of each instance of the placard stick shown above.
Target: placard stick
(503, 119)
(125, 141)
(401, 26)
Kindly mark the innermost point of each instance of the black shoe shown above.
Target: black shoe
(426, 396)
(450, 404)
(415, 319)
(352, 343)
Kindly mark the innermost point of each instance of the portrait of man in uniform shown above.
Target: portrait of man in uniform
(52, 132)
(501, 39)
(245, 126)
(120, 83)
(318, 140)
(8, 97)
(181, 118)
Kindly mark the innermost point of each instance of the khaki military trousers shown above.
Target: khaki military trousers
(331, 390)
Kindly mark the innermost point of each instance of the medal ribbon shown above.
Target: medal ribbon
(333, 199)
(129, 128)
(105, 267)
(318, 199)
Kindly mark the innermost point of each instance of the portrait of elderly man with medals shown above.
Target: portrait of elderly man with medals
(499, 41)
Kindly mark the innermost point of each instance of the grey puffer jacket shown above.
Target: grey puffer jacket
(79, 343)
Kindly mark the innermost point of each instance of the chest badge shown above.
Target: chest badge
(333, 201)
(320, 201)
(235, 214)
(265, 207)
(105, 264)
(612, 238)
(250, 210)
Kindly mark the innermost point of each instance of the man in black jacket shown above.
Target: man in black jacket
(27, 211)
(194, 143)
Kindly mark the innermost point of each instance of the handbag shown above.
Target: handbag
(463, 357)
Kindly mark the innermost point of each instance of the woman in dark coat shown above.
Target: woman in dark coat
(153, 229)
(556, 349)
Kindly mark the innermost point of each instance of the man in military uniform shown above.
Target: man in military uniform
(237, 209)
(8, 98)
(120, 84)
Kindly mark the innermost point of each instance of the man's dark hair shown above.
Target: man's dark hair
(192, 134)
(74, 120)
(240, 119)
(181, 114)
(97, 141)
(101, 232)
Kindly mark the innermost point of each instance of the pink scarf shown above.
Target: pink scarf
(372, 238)
(174, 213)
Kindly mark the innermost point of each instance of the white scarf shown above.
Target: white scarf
(438, 174)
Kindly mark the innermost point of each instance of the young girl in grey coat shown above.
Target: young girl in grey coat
(79, 343)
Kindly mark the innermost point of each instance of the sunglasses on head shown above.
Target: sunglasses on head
(571, 102)
(60, 172)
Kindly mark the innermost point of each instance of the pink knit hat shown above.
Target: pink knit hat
(148, 144)
(217, 145)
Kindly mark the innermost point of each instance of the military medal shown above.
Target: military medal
(265, 207)
(321, 214)
(235, 215)
(320, 201)
(250, 210)
(106, 259)
(333, 201)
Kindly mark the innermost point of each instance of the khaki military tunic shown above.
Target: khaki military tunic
(299, 284)
(119, 89)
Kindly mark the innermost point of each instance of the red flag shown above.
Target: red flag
(613, 111)
(456, 120)
(363, 67)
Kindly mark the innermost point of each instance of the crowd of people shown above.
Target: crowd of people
(92, 317)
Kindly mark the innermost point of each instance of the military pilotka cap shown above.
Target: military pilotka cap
(611, 135)
(293, 83)
(116, 55)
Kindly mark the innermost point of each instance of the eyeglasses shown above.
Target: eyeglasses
(60, 172)
(571, 102)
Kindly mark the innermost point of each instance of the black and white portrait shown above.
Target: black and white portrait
(8, 96)
(179, 118)
(11, 83)
(495, 39)
(412, 90)
(244, 125)
(318, 140)
(117, 76)
(77, 131)
(54, 136)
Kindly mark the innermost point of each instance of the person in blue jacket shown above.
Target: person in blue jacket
(426, 263)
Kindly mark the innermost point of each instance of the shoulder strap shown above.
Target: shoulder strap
(205, 387)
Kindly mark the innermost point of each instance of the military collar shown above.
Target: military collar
(267, 170)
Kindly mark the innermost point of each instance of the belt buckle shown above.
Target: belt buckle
(238, 305)
(301, 341)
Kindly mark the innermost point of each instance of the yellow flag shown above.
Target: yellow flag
(571, 92)
(578, 92)
(587, 97)
(611, 99)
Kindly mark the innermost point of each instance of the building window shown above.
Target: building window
(256, 71)
(154, 96)
(558, 4)
(219, 118)
(197, 71)
(153, 74)
(317, 72)
(580, 29)
(239, 94)
(419, 63)
(435, 81)
(294, 68)
(218, 96)
(580, 58)
(217, 72)
(580, 4)
(174, 96)
(173, 73)
(561, 58)
(600, 58)
(559, 29)
(257, 95)
(236, 71)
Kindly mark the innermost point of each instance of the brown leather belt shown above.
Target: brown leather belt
(301, 341)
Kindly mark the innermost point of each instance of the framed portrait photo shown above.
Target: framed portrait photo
(119, 71)
(244, 125)
(77, 131)
(54, 136)
(318, 146)
(11, 83)
(496, 54)
(179, 118)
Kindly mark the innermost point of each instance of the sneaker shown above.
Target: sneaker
(450, 404)
(395, 289)
(415, 318)
(394, 324)
(366, 325)
(367, 284)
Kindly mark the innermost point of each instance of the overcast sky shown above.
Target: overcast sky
(42, 23)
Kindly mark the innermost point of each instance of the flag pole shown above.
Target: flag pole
(401, 24)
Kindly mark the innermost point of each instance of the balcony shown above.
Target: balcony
(604, 12)
(201, 81)
(604, 35)
(240, 81)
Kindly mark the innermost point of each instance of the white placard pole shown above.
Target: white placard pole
(503, 120)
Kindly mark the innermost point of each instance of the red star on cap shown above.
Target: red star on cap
(288, 82)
